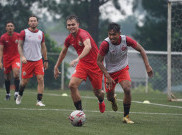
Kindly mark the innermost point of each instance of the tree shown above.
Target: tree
(153, 33)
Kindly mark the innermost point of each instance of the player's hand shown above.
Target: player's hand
(149, 71)
(24, 60)
(109, 83)
(56, 72)
(45, 65)
(1, 65)
(74, 62)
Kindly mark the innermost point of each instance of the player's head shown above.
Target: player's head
(33, 21)
(114, 32)
(72, 24)
(10, 27)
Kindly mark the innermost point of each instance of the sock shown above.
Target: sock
(21, 90)
(126, 109)
(101, 100)
(16, 82)
(7, 85)
(78, 105)
(39, 97)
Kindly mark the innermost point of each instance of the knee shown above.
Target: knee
(98, 93)
(40, 79)
(72, 86)
(127, 89)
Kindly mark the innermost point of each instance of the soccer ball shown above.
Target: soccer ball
(77, 118)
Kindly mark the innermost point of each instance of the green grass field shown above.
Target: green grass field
(161, 117)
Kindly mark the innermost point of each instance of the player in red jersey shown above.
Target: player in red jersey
(114, 50)
(87, 66)
(11, 58)
(31, 48)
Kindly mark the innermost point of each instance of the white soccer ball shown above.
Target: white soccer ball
(77, 118)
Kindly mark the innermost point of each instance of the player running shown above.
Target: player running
(11, 58)
(114, 50)
(87, 63)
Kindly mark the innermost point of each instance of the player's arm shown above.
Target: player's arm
(44, 53)
(60, 59)
(109, 80)
(140, 49)
(20, 50)
(1, 56)
(86, 50)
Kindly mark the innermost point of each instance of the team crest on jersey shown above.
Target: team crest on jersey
(16, 41)
(39, 37)
(80, 43)
(123, 48)
(24, 73)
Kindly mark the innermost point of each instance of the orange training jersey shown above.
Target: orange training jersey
(77, 43)
(10, 43)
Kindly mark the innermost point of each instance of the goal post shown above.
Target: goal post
(174, 49)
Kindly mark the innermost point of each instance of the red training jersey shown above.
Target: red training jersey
(77, 43)
(104, 47)
(10, 43)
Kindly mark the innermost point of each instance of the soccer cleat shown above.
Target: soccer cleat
(114, 105)
(127, 120)
(8, 97)
(18, 99)
(39, 103)
(102, 107)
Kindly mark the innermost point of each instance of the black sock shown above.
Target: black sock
(101, 100)
(78, 105)
(39, 97)
(16, 82)
(21, 90)
(7, 85)
(126, 109)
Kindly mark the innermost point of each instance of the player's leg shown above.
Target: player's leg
(7, 77)
(73, 85)
(40, 89)
(126, 85)
(111, 95)
(16, 72)
(95, 77)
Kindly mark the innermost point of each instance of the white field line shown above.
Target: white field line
(139, 102)
(92, 111)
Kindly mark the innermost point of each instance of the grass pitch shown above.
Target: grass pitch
(160, 117)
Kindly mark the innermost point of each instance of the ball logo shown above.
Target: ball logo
(123, 48)
(24, 73)
(16, 41)
(80, 43)
(18, 64)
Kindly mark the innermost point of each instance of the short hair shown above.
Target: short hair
(114, 26)
(73, 17)
(9, 22)
(33, 16)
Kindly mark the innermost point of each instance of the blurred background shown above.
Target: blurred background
(143, 20)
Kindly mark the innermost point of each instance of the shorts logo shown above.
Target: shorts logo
(18, 64)
(16, 41)
(80, 43)
(24, 73)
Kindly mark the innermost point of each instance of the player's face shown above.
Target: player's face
(10, 27)
(33, 23)
(114, 36)
(72, 26)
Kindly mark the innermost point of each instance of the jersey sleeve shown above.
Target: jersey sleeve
(43, 37)
(104, 48)
(22, 35)
(1, 40)
(84, 35)
(66, 42)
(131, 42)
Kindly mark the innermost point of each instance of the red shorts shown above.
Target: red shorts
(93, 73)
(9, 65)
(32, 68)
(118, 77)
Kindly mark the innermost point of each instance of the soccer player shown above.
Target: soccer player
(11, 58)
(114, 50)
(86, 61)
(31, 47)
